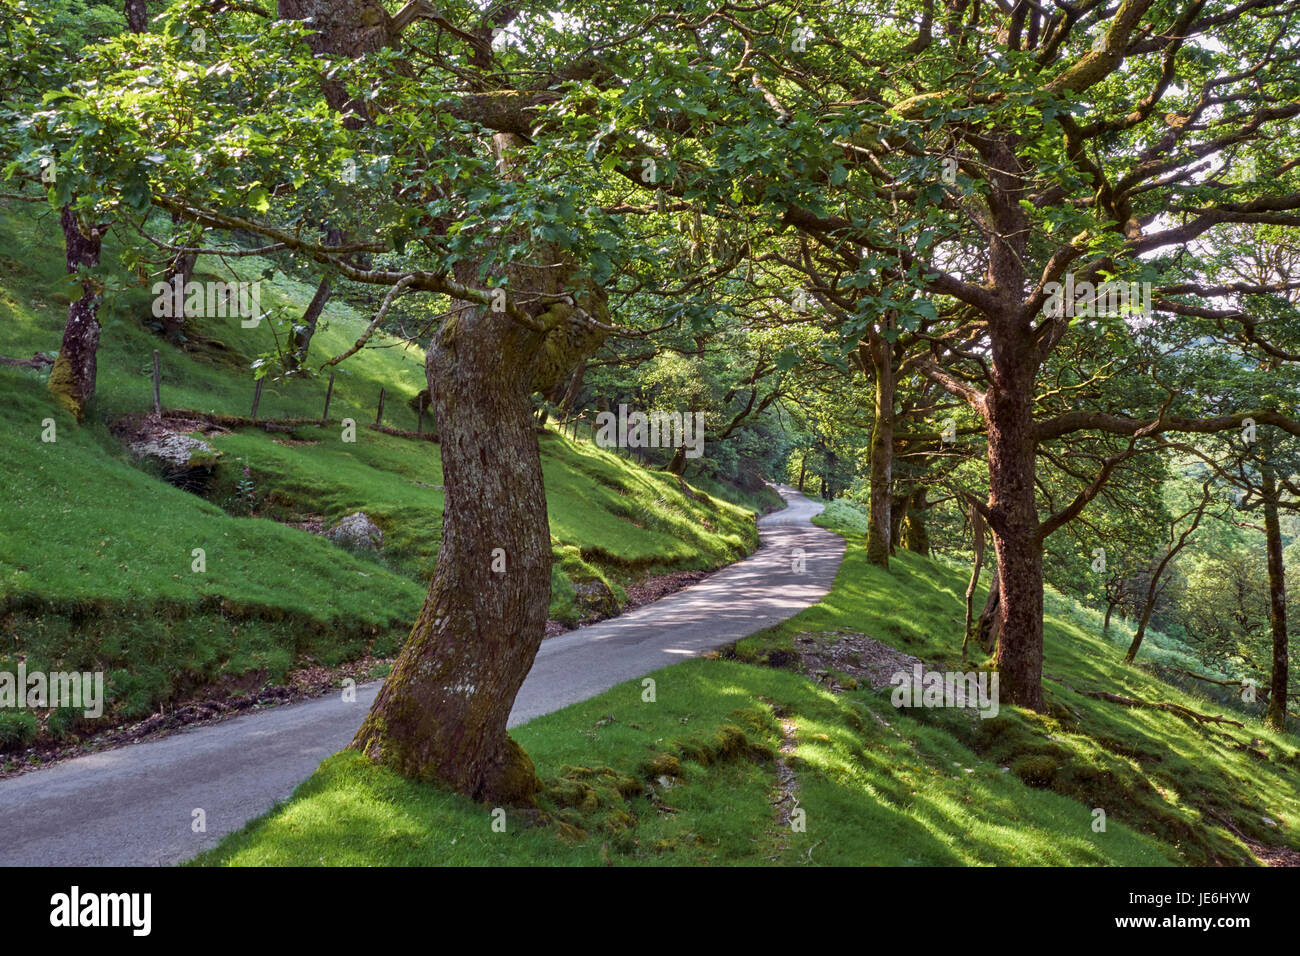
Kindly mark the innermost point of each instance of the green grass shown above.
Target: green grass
(215, 374)
(96, 571)
(896, 795)
(604, 510)
(879, 785)
(96, 552)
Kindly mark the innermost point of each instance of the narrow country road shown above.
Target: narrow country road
(133, 806)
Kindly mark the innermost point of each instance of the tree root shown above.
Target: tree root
(280, 424)
(1178, 710)
(36, 361)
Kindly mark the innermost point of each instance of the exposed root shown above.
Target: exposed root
(1178, 710)
(36, 361)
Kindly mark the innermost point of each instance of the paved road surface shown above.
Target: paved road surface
(132, 806)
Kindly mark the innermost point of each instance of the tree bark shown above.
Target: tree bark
(442, 712)
(1153, 586)
(880, 525)
(678, 464)
(915, 538)
(182, 269)
(1147, 607)
(570, 398)
(137, 15)
(306, 328)
(72, 380)
(990, 622)
(977, 544)
(1277, 694)
(897, 513)
(1014, 518)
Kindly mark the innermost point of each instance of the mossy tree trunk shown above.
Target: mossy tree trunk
(72, 380)
(989, 626)
(880, 523)
(1013, 520)
(442, 712)
(915, 537)
(1277, 693)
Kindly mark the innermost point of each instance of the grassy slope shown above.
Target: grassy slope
(879, 786)
(95, 553)
(602, 508)
(873, 794)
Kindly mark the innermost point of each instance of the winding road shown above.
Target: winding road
(133, 806)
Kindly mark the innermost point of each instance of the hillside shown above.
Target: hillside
(97, 553)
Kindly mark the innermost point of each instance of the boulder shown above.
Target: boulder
(177, 453)
(595, 599)
(356, 532)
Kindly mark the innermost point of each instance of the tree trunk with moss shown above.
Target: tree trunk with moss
(880, 523)
(72, 380)
(677, 465)
(977, 549)
(442, 712)
(1013, 511)
(1277, 694)
(915, 538)
(989, 626)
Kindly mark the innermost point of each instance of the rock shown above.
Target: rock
(595, 599)
(357, 532)
(176, 452)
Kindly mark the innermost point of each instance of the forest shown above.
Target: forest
(1007, 292)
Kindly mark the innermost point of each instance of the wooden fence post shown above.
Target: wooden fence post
(379, 418)
(329, 393)
(257, 397)
(157, 383)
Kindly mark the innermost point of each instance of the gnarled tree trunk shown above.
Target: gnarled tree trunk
(72, 380)
(1013, 520)
(1277, 693)
(442, 712)
(880, 517)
